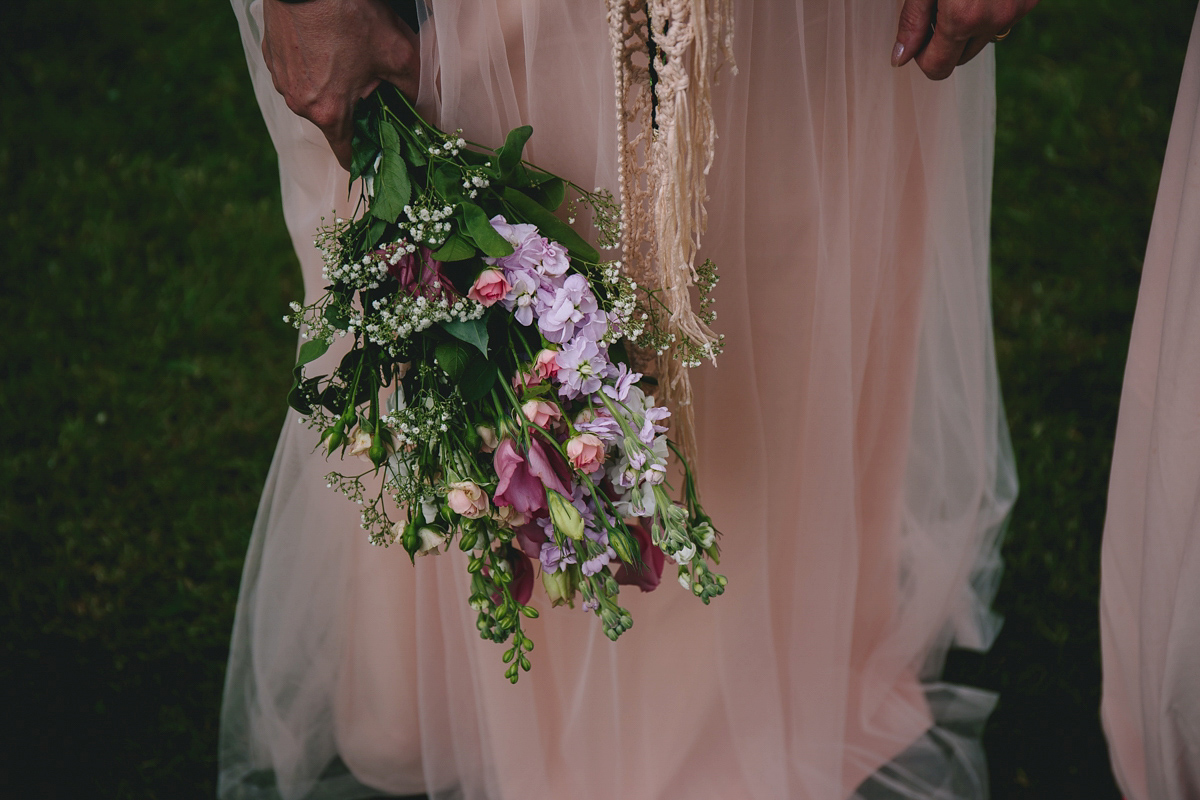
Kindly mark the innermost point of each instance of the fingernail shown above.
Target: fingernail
(897, 54)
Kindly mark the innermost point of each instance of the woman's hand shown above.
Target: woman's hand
(325, 55)
(943, 34)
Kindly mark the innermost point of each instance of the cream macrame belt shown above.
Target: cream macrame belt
(665, 139)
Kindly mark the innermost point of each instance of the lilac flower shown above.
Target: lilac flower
(580, 365)
(554, 558)
(601, 423)
(569, 307)
(522, 297)
(530, 250)
(650, 425)
(597, 563)
(624, 379)
(516, 235)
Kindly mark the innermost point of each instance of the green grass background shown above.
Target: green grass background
(144, 268)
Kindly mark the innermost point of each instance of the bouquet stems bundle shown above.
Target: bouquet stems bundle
(511, 424)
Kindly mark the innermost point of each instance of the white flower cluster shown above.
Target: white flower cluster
(401, 315)
(450, 146)
(411, 426)
(625, 322)
(426, 223)
(371, 270)
(474, 180)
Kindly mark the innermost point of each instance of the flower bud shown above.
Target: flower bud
(487, 435)
(565, 516)
(411, 540)
(377, 453)
(333, 438)
(560, 587)
(626, 548)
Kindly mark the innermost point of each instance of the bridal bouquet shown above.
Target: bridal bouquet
(514, 426)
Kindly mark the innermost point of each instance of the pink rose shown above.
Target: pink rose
(541, 412)
(468, 499)
(545, 366)
(490, 287)
(648, 577)
(586, 452)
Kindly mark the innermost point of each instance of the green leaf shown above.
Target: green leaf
(477, 380)
(337, 315)
(550, 226)
(374, 232)
(414, 150)
(509, 156)
(364, 154)
(447, 179)
(452, 357)
(549, 195)
(309, 351)
(472, 331)
(485, 236)
(456, 248)
(392, 186)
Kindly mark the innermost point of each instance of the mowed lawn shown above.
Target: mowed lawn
(144, 269)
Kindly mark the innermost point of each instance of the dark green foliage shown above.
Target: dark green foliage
(145, 272)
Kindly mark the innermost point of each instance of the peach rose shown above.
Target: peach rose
(545, 366)
(541, 412)
(489, 288)
(468, 499)
(586, 452)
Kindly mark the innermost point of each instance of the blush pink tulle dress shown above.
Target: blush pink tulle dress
(853, 450)
(1150, 559)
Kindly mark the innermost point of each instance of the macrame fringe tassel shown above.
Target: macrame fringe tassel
(665, 148)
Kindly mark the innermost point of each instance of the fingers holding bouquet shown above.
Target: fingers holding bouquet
(325, 56)
(942, 35)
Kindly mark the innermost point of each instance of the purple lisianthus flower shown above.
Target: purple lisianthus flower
(621, 381)
(569, 307)
(521, 299)
(580, 366)
(523, 479)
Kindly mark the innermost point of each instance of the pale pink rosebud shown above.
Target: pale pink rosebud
(488, 434)
(541, 412)
(545, 366)
(431, 539)
(468, 499)
(509, 517)
(360, 443)
(586, 452)
(489, 288)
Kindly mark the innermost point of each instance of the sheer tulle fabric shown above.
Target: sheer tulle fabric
(1150, 579)
(852, 447)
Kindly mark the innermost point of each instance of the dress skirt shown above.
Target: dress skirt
(1150, 557)
(852, 449)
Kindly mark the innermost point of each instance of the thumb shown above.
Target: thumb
(915, 19)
